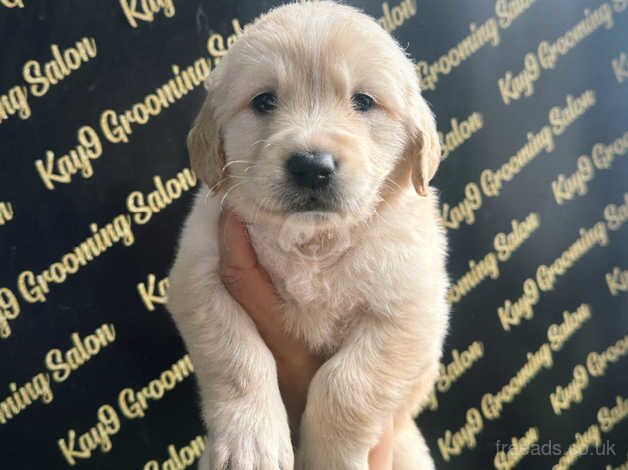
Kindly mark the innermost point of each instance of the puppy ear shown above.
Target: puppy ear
(205, 147)
(424, 152)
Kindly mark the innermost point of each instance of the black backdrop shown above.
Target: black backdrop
(531, 98)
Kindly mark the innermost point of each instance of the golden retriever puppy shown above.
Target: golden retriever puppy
(315, 133)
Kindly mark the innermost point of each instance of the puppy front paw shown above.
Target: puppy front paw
(249, 441)
(255, 451)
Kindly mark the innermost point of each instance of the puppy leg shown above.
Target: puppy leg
(242, 407)
(356, 390)
(410, 450)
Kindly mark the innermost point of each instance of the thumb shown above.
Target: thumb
(236, 251)
(244, 278)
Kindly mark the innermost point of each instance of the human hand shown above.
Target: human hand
(251, 287)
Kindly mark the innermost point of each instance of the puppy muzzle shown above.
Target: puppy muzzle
(311, 178)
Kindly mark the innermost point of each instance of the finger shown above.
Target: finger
(246, 280)
(235, 248)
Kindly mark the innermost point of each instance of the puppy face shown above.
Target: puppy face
(315, 108)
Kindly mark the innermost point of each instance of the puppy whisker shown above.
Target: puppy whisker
(260, 141)
(222, 201)
(232, 162)
(247, 177)
(206, 198)
(260, 205)
(211, 190)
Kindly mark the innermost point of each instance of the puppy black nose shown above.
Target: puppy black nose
(311, 169)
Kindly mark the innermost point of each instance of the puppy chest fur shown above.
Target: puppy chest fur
(394, 257)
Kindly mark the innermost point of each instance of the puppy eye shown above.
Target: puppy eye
(362, 102)
(264, 103)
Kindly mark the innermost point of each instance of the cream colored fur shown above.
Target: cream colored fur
(376, 304)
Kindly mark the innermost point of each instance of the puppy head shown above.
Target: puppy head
(314, 108)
